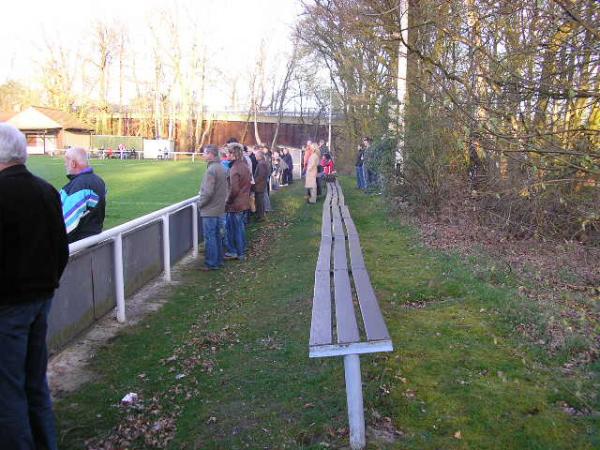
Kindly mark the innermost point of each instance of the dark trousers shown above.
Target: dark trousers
(26, 419)
(319, 185)
(259, 199)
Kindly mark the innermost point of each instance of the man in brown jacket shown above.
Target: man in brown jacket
(213, 193)
(238, 201)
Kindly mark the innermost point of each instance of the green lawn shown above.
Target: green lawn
(134, 187)
(224, 364)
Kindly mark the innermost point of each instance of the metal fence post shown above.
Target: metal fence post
(166, 247)
(195, 230)
(119, 279)
(354, 397)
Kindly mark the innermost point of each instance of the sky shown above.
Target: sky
(231, 29)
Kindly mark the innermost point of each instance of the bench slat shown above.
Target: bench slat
(320, 325)
(350, 228)
(340, 261)
(346, 326)
(345, 211)
(356, 257)
(339, 192)
(374, 324)
(324, 260)
(336, 220)
(326, 225)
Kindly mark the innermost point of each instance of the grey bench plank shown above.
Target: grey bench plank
(356, 257)
(336, 220)
(320, 325)
(339, 192)
(345, 211)
(350, 228)
(324, 260)
(373, 320)
(346, 326)
(326, 225)
(348, 222)
(340, 262)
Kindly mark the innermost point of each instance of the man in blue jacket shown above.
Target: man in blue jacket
(33, 255)
(83, 197)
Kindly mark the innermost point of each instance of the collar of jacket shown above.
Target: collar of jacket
(86, 170)
(17, 169)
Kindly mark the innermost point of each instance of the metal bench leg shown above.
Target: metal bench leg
(354, 396)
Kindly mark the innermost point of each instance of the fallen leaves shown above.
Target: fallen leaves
(143, 423)
(560, 275)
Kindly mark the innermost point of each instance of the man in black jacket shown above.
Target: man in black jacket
(33, 255)
(83, 197)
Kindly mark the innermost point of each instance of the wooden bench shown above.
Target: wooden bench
(346, 319)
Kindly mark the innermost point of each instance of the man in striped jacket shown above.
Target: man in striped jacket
(83, 197)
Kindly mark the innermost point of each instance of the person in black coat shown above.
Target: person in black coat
(33, 255)
(288, 173)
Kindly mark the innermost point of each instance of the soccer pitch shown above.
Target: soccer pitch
(135, 187)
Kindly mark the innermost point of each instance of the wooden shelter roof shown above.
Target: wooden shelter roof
(41, 118)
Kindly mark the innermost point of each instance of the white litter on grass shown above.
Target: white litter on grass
(130, 399)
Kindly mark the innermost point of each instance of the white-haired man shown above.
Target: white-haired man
(83, 197)
(33, 255)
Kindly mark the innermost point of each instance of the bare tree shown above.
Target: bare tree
(281, 96)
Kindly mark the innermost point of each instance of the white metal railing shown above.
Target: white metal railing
(116, 235)
(140, 154)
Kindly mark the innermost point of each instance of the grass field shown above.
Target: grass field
(134, 187)
(224, 364)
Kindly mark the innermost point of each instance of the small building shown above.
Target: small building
(48, 130)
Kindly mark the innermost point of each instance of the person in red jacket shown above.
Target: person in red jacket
(327, 164)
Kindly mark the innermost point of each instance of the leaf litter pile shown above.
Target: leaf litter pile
(562, 277)
(150, 421)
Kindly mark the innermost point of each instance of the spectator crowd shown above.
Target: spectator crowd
(236, 190)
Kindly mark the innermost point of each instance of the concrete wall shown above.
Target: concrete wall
(87, 288)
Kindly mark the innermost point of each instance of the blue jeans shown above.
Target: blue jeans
(26, 419)
(360, 178)
(226, 241)
(213, 242)
(236, 231)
